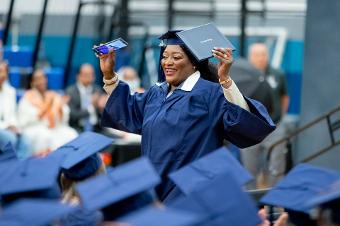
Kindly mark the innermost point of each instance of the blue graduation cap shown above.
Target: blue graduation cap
(221, 202)
(202, 39)
(204, 170)
(33, 212)
(151, 216)
(329, 198)
(329, 194)
(7, 152)
(82, 217)
(118, 184)
(82, 147)
(199, 41)
(35, 177)
(301, 184)
(81, 159)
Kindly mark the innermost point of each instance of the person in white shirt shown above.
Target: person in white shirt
(43, 116)
(9, 132)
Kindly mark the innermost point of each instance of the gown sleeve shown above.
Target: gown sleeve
(241, 127)
(124, 111)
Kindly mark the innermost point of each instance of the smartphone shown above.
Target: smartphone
(114, 44)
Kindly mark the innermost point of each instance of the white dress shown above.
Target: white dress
(40, 135)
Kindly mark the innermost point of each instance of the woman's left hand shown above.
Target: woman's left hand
(225, 56)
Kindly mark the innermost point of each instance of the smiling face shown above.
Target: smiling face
(176, 65)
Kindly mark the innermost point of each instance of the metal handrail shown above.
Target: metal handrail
(331, 128)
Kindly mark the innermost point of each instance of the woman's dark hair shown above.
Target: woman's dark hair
(208, 70)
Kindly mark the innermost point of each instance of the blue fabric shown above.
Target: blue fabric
(172, 41)
(7, 153)
(19, 142)
(120, 187)
(152, 216)
(84, 169)
(37, 212)
(220, 202)
(201, 172)
(82, 217)
(185, 126)
(128, 205)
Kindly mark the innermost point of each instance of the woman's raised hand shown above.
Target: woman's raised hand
(107, 64)
(225, 56)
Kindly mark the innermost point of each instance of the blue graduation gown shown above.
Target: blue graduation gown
(185, 126)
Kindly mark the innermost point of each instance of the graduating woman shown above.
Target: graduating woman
(186, 116)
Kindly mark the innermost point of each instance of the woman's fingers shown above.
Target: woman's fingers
(223, 54)
(282, 221)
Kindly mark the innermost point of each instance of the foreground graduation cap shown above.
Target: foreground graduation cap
(202, 39)
(7, 152)
(301, 184)
(152, 216)
(329, 194)
(329, 198)
(82, 147)
(119, 184)
(221, 202)
(30, 178)
(81, 158)
(204, 170)
(33, 212)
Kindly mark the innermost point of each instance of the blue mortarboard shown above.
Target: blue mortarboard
(221, 202)
(202, 39)
(33, 212)
(7, 152)
(329, 194)
(204, 170)
(82, 147)
(151, 216)
(329, 198)
(118, 184)
(81, 159)
(82, 217)
(170, 38)
(301, 184)
(35, 177)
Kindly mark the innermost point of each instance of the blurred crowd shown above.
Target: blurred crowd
(41, 120)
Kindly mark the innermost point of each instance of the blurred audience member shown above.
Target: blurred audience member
(129, 75)
(84, 97)
(9, 131)
(259, 58)
(253, 157)
(43, 116)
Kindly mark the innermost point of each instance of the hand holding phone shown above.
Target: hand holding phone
(114, 44)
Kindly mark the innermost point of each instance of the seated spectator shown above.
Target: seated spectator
(129, 75)
(9, 132)
(43, 116)
(84, 96)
